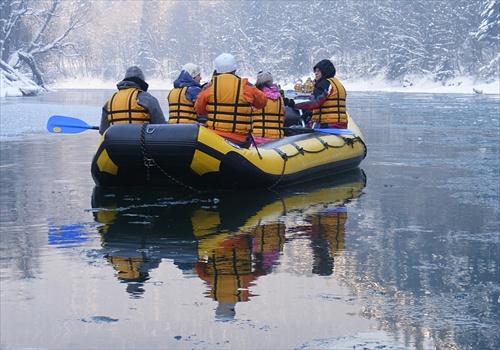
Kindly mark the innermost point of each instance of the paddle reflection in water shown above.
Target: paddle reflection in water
(228, 239)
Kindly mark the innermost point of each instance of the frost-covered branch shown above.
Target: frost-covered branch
(35, 30)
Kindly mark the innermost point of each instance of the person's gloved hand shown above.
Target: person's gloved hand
(289, 102)
(306, 116)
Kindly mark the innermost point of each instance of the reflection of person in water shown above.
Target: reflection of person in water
(327, 236)
(269, 240)
(133, 270)
(228, 271)
(132, 265)
(128, 232)
(230, 264)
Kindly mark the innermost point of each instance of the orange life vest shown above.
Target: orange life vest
(227, 109)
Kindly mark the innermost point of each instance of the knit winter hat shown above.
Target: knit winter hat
(264, 78)
(134, 71)
(225, 63)
(192, 69)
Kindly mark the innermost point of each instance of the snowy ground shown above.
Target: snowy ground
(462, 85)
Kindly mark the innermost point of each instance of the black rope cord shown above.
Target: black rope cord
(285, 159)
(150, 162)
(302, 151)
(326, 145)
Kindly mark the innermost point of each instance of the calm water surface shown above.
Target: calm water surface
(401, 253)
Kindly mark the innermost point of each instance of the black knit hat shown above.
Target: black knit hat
(134, 71)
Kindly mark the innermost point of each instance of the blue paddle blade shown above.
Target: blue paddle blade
(60, 124)
(336, 131)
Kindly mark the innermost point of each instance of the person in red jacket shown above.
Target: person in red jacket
(227, 102)
(327, 103)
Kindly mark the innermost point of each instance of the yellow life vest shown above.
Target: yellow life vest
(269, 237)
(308, 86)
(268, 122)
(124, 109)
(333, 110)
(297, 87)
(181, 110)
(227, 109)
(126, 268)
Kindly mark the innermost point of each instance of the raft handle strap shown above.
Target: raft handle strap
(349, 141)
(255, 144)
(300, 149)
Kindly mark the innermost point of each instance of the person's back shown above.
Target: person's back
(227, 109)
(131, 104)
(228, 102)
(268, 121)
(182, 97)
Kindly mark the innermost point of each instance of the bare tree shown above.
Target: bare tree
(32, 30)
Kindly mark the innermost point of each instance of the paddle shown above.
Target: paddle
(332, 131)
(60, 124)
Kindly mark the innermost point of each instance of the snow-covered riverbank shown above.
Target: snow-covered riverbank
(461, 85)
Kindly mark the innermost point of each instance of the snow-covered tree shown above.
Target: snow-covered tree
(32, 31)
(397, 39)
(488, 34)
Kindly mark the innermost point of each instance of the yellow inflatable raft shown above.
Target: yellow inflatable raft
(192, 156)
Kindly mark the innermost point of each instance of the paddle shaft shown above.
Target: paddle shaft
(70, 125)
(332, 131)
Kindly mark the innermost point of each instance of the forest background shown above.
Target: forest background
(46, 41)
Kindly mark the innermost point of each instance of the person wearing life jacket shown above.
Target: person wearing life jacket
(308, 86)
(132, 104)
(327, 233)
(227, 102)
(182, 97)
(328, 100)
(298, 86)
(268, 121)
(228, 271)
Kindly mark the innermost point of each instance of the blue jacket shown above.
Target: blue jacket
(193, 90)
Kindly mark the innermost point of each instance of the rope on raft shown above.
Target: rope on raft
(150, 162)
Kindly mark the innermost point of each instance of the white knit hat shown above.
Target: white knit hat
(134, 71)
(264, 78)
(192, 69)
(225, 63)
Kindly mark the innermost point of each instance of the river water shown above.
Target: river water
(402, 253)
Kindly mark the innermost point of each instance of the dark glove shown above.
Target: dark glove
(306, 116)
(289, 102)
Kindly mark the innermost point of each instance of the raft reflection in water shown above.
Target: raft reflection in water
(228, 239)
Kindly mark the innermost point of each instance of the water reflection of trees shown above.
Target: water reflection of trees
(228, 239)
(415, 269)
